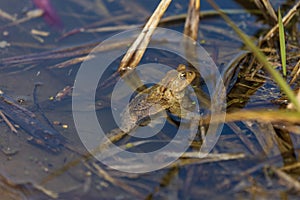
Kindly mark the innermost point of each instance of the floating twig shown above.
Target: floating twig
(12, 128)
(29, 15)
(63, 93)
(7, 16)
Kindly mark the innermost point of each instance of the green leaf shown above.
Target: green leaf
(282, 43)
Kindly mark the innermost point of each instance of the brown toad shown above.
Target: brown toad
(168, 94)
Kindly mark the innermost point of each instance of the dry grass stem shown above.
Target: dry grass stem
(192, 20)
(289, 181)
(291, 167)
(267, 10)
(259, 115)
(92, 26)
(138, 48)
(72, 61)
(194, 158)
(295, 72)
(111, 28)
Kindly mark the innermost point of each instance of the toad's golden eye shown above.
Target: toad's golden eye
(182, 76)
(191, 73)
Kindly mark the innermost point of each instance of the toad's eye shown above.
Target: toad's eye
(191, 73)
(182, 76)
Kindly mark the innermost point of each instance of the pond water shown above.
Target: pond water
(47, 57)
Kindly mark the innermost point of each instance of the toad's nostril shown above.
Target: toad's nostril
(182, 76)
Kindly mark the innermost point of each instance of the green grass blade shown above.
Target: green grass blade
(260, 57)
(282, 43)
